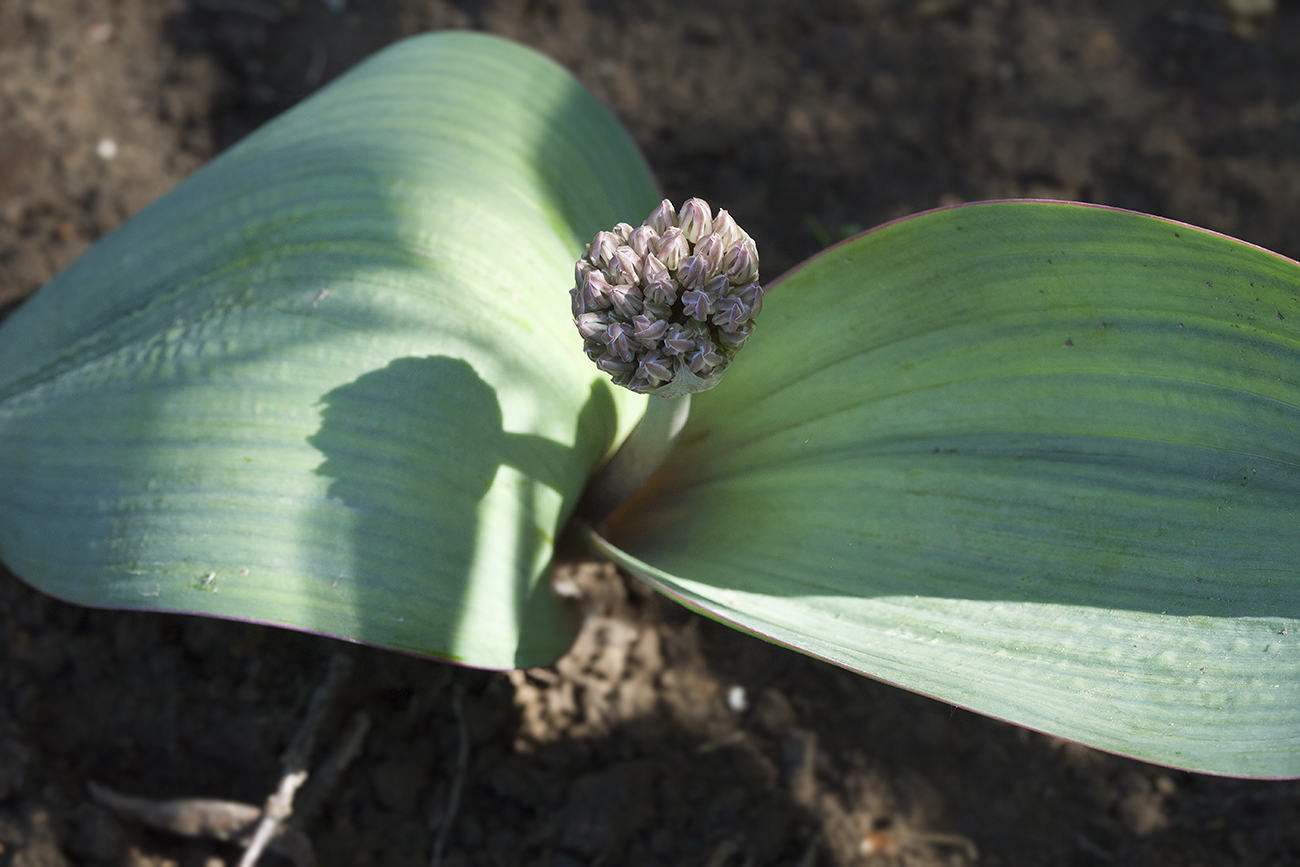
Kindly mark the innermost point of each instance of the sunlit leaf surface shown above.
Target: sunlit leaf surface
(331, 381)
(1036, 459)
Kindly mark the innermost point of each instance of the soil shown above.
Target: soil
(661, 739)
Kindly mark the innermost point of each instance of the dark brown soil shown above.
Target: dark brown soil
(807, 119)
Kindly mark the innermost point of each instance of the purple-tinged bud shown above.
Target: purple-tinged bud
(618, 337)
(752, 295)
(591, 326)
(601, 249)
(698, 304)
(658, 286)
(699, 331)
(677, 341)
(710, 249)
(704, 359)
(662, 218)
(655, 368)
(695, 220)
(652, 269)
(741, 262)
(658, 311)
(732, 313)
(672, 247)
(648, 331)
(623, 231)
(626, 300)
(662, 291)
(614, 366)
(575, 300)
(726, 229)
(626, 266)
(716, 286)
(643, 240)
(581, 269)
(595, 292)
(692, 272)
(732, 339)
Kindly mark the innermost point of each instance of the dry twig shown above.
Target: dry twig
(259, 828)
(280, 805)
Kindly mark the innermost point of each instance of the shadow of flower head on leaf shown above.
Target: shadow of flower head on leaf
(442, 498)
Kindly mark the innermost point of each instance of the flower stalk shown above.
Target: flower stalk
(641, 454)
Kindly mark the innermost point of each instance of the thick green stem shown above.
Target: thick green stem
(636, 461)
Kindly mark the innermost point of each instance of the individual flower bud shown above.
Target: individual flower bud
(614, 366)
(677, 341)
(618, 337)
(658, 286)
(575, 301)
(581, 269)
(732, 313)
(652, 269)
(715, 287)
(752, 295)
(642, 240)
(698, 304)
(626, 301)
(601, 249)
(704, 359)
(733, 338)
(662, 218)
(658, 311)
(625, 266)
(591, 326)
(672, 247)
(710, 249)
(692, 272)
(741, 262)
(595, 291)
(698, 331)
(648, 331)
(726, 229)
(695, 220)
(623, 231)
(655, 369)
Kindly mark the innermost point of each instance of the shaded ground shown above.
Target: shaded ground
(806, 120)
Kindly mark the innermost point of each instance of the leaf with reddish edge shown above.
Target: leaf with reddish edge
(1037, 459)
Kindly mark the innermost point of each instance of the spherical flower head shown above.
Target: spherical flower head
(664, 307)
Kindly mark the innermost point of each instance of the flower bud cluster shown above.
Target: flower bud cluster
(664, 307)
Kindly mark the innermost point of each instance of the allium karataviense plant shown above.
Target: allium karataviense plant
(1037, 459)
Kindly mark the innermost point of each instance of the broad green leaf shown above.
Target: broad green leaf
(1036, 459)
(331, 381)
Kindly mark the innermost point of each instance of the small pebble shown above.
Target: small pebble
(107, 149)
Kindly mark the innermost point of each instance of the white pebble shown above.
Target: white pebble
(107, 149)
(736, 699)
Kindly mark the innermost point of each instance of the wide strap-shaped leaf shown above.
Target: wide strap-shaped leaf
(1037, 459)
(331, 381)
